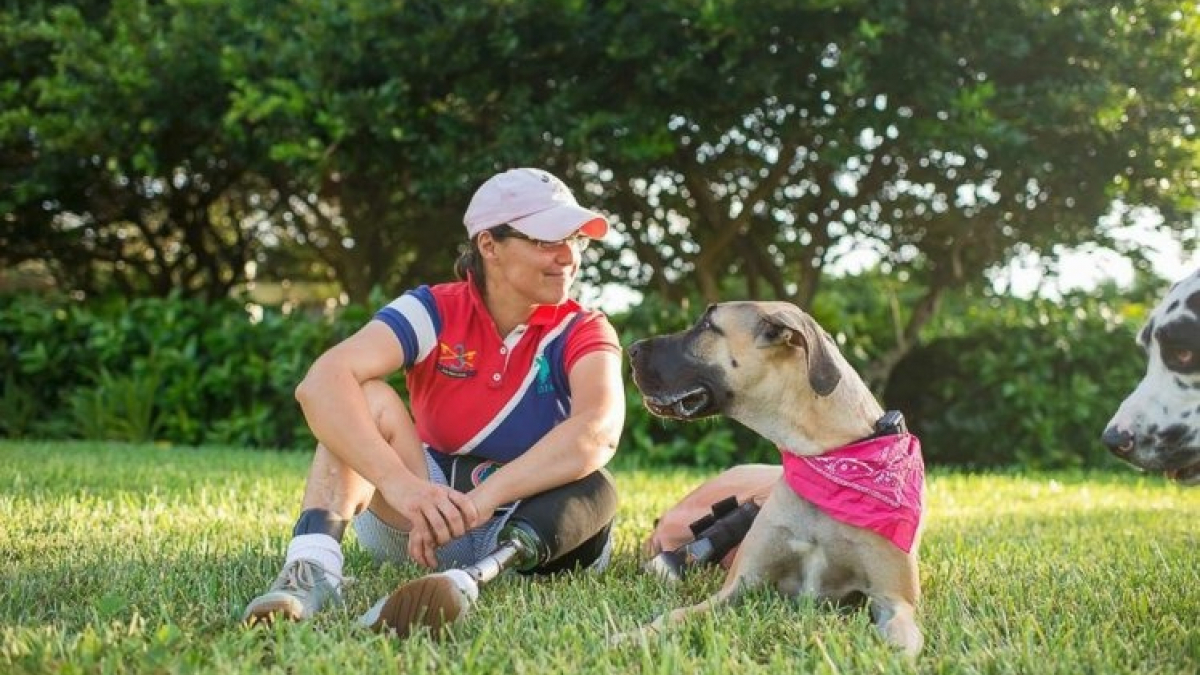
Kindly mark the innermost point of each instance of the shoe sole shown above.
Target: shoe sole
(433, 602)
(266, 613)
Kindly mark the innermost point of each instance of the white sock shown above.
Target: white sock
(320, 548)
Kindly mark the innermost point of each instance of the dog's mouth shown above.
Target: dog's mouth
(1188, 475)
(688, 404)
(1176, 463)
(1182, 468)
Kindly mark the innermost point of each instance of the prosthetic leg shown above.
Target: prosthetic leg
(716, 535)
(549, 532)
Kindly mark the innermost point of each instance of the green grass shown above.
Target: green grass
(117, 558)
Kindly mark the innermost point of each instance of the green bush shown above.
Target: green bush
(182, 371)
(1029, 382)
(118, 407)
(1016, 382)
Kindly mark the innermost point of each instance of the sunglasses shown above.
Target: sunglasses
(577, 241)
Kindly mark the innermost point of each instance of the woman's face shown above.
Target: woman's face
(537, 273)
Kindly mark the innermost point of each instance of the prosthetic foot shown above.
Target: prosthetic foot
(543, 534)
(437, 600)
(716, 535)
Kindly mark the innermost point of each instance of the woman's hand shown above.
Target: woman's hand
(437, 514)
(485, 508)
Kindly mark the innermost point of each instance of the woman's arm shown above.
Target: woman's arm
(335, 407)
(337, 411)
(580, 445)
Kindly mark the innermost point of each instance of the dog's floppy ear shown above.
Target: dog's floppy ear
(800, 330)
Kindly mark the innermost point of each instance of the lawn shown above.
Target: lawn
(117, 558)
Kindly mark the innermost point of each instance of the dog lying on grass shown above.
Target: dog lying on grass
(843, 523)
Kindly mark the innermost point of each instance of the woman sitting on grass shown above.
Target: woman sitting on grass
(515, 392)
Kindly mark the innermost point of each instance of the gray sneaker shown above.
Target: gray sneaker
(299, 591)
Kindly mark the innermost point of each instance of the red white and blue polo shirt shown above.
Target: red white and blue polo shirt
(473, 391)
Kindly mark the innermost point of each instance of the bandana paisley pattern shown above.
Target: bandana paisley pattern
(876, 484)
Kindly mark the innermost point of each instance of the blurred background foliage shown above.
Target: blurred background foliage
(1010, 382)
(197, 196)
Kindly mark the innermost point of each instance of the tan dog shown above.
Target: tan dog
(771, 367)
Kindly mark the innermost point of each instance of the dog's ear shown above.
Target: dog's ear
(800, 330)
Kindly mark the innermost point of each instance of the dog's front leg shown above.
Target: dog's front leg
(751, 566)
(734, 585)
(896, 620)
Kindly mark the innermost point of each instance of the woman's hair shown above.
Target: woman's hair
(470, 260)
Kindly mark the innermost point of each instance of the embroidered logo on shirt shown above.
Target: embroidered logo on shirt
(481, 472)
(455, 361)
(544, 385)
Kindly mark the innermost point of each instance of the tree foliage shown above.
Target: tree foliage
(382, 120)
(943, 137)
(117, 169)
(743, 148)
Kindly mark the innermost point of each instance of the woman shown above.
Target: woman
(515, 392)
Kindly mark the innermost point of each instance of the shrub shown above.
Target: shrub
(171, 369)
(1015, 382)
(1029, 383)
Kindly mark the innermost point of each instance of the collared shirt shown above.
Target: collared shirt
(474, 391)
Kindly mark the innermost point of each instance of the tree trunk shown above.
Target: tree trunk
(877, 372)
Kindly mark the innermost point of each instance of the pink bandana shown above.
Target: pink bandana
(876, 484)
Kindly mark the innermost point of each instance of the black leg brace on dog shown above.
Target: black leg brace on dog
(717, 533)
(320, 521)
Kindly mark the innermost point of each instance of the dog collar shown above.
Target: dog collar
(876, 483)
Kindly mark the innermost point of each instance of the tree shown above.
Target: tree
(381, 120)
(119, 175)
(769, 139)
(744, 148)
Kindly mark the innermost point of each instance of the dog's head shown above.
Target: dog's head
(755, 362)
(1156, 427)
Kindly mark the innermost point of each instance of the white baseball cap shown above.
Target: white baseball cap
(533, 202)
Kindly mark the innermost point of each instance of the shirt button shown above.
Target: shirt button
(495, 377)
(504, 350)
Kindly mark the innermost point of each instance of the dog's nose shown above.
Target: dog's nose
(1119, 441)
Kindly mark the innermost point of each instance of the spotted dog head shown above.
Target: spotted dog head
(1157, 428)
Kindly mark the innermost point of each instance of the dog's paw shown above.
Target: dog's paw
(641, 634)
(904, 635)
(621, 639)
(910, 644)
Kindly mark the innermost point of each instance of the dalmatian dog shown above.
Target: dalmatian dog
(1157, 427)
